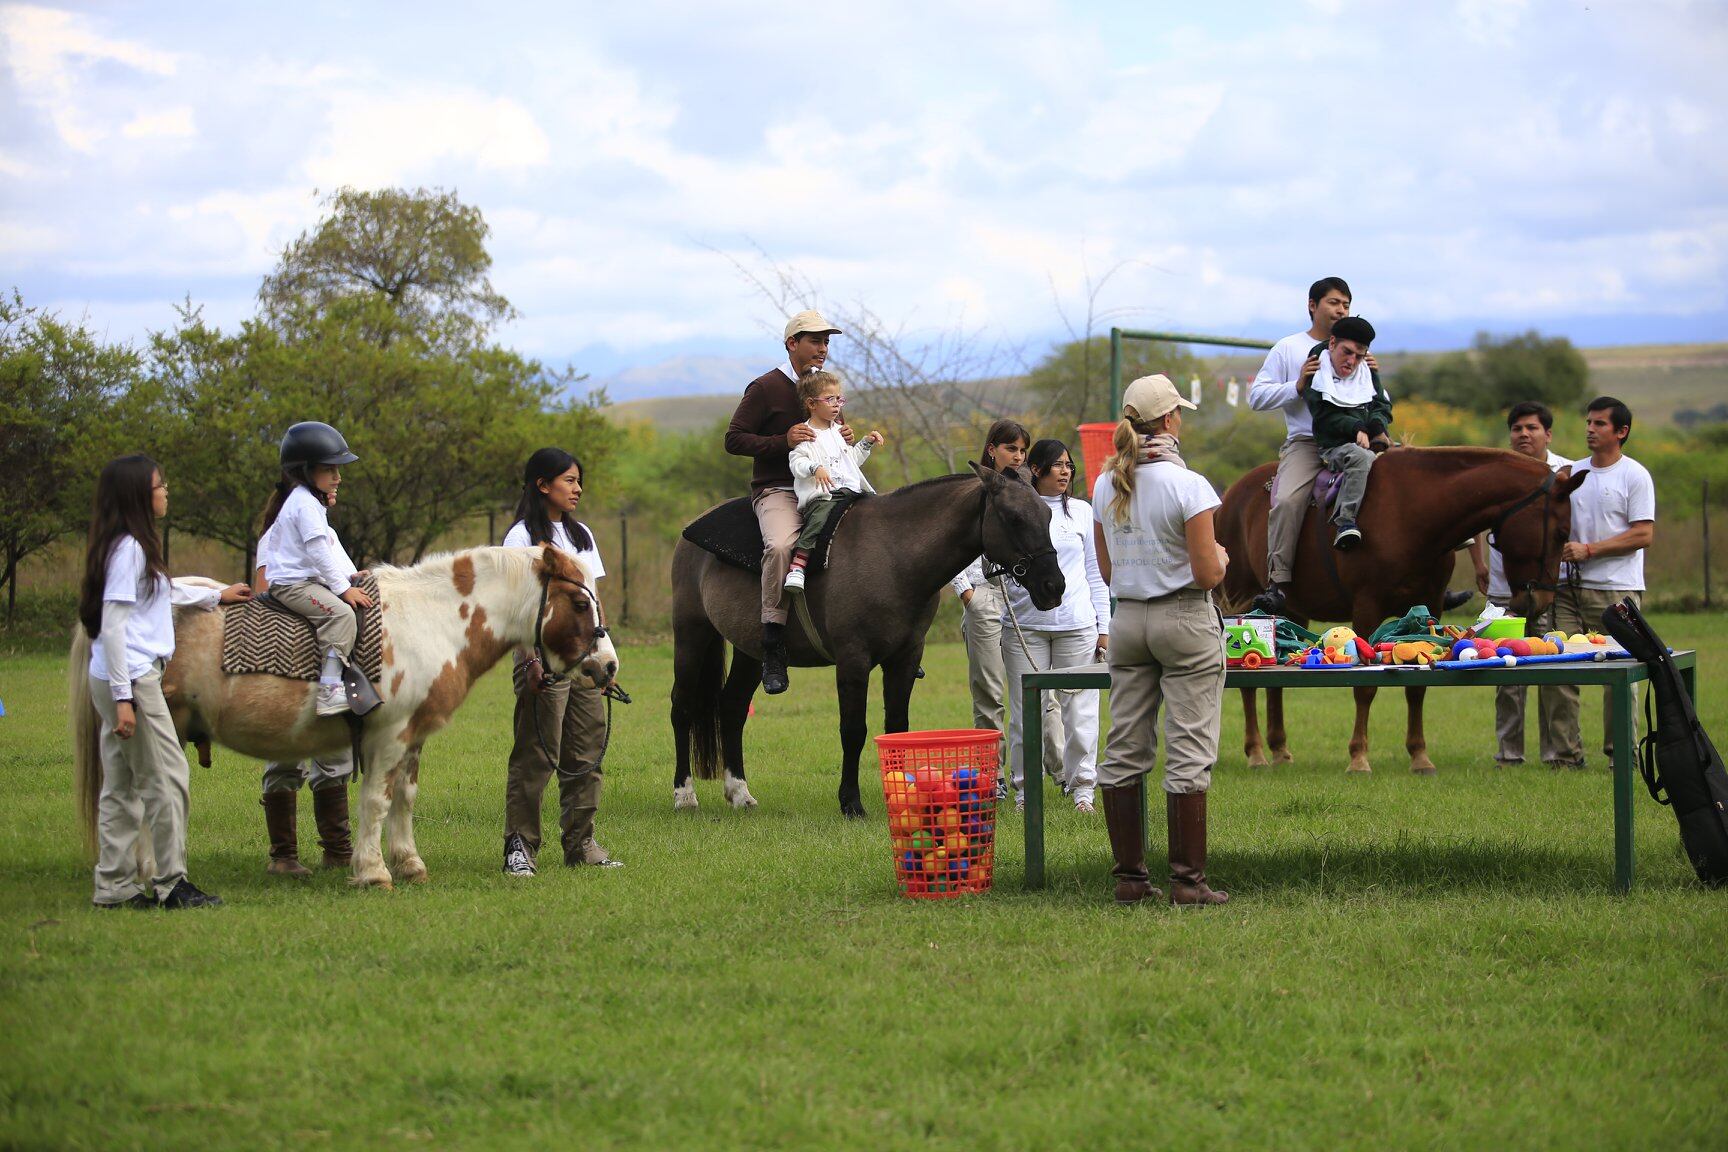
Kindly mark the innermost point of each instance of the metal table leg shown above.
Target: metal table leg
(1625, 754)
(1032, 775)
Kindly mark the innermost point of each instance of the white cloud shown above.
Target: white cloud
(169, 122)
(50, 53)
(378, 137)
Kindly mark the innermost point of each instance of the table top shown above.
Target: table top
(1387, 675)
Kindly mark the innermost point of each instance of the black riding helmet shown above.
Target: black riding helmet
(310, 442)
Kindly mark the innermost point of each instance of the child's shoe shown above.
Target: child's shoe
(1348, 536)
(332, 700)
(795, 580)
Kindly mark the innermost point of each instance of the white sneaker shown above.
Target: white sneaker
(332, 700)
(517, 861)
(1019, 801)
(795, 580)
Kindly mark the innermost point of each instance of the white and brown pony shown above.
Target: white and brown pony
(446, 622)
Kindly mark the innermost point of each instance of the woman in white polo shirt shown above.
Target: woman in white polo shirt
(1158, 549)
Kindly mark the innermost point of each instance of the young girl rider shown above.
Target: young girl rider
(311, 572)
(126, 605)
(560, 725)
(1072, 633)
(1158, 549)
(825, 468)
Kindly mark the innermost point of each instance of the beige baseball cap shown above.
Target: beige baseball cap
(809, 321)
(1151, 397)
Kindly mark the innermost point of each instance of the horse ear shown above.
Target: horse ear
(1569, 481)
(546, 564)
(992, 479)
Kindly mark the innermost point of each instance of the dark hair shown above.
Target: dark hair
(1618, 414)
(123, 507)
(293, 476)
(548, 464)
(1354, 328)
(1042, 458)
(1317, 290)
(1004, 431)
(1531, 408)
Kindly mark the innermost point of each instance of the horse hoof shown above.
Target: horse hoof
(853, 811)
(412, 871)
(685, 798)
(1422, 770)
(1361, 767)
(738, 793)
(377, 879)
(1283, 756)
(1258, 760)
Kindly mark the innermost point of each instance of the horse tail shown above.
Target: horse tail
(701, 709)
(86, 734)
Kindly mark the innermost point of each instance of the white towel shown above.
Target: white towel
(1353, 391)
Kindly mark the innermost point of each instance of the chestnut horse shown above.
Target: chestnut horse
(446, 622)
(1422, 504)
(888, 561)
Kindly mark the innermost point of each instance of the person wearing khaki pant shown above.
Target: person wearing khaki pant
(1580, 610)
(145, 794)
(559, 729)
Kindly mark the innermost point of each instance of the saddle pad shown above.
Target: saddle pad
(730, 532)
(1326, 488)
(261, 636)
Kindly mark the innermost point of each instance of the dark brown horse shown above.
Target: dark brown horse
(1422, 503)
(888, 560)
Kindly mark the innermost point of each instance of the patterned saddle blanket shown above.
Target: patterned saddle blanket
(1325, 492)
(730, 532)
(261, 636)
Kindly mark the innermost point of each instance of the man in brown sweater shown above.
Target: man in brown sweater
(767, 425)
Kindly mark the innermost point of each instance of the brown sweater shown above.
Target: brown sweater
(768, 410)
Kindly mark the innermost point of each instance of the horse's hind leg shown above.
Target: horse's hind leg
(1253, 749)
(1415, 740)
(854, 687)
(741, 682)
(405, 860)
(1359, 737)
(382, 754)
(1277, 741)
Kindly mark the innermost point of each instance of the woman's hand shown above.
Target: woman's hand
(355, 598)
(125, 720)
(1223, 557)
(235, 594)
(535, 673)
(966, 597)
(1102, 647)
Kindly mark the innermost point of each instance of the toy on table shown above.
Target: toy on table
(1250, 641)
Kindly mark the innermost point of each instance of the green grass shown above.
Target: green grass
(1408, 962)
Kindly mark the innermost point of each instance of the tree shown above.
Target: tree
(1074, 378)
(1498, 372)
(423, 252)
(57, 384)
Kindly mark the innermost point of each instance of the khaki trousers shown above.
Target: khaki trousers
(1509, 706)
(288, 775)
(571, 721)
(777, 516)
(331, 616)
(1298, 465)
(145, 793)
(1167, 652)
(981, 628)
(1580, 610)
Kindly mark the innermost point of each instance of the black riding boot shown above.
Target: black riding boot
(774, 678)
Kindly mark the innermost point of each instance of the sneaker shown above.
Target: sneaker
(774, 678)
(1001, 789)
(517, 860)
(332, 700)
(1271, 601)
(1348, 536)
(140, 902)
(1083, 806)
(1019, 801)
(185, 894)
(590, 853)
(795, 580)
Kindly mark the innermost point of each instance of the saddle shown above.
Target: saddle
(1324, 493)
(262, 637)
(730, 532)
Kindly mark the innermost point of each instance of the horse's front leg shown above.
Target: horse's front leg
(405, 860)
(1253, 748)
(852, 680)
(373, 802)
(734, 710)
(1415, 741)
(1276, 738)
(1359, 737)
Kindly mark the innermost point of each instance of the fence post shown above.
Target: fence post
(624, 565)
(1704, 508)
(491, 527)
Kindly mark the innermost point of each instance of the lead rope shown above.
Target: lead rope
(1008, 603)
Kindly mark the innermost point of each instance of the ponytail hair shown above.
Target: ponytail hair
(123, 507)
(293, 476)
(549, 464)
(1124, 456)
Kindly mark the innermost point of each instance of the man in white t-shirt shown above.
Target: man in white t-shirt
(1530, 428)
(1613, 522)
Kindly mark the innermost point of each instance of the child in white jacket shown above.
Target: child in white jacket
(824, 468)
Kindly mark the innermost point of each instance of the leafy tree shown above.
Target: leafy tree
(57, 383)
(1073, 379)
(1498, 372)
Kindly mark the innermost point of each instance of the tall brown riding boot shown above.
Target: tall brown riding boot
(330, 809)
(280, 812)
(1126, 822)
(578, 800)
(1187, 822)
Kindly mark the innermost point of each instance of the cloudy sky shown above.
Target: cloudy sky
(1478, 163)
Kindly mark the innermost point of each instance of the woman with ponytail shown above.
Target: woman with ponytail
(560, 726)
(1157, 547)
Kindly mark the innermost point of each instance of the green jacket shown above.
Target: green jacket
(1334, 425)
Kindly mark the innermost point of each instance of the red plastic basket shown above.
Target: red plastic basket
(1097, 441)
(940, 788)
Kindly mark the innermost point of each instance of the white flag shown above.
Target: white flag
(1232, 393)
(1194, 391)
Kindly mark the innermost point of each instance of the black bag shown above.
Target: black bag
(1677, 757)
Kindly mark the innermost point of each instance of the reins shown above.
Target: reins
(612, 691)
(1018, 572)
(1544, 492)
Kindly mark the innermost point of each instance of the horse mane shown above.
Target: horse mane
(436, 573)
(1451, 458)
(933, 482)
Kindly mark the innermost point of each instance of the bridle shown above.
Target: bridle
(1023, 565)
(1544, 492)
(611, 691)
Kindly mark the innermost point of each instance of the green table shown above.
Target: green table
(1618, 675)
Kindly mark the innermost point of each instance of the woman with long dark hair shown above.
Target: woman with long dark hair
(559, 726)
(126, 605)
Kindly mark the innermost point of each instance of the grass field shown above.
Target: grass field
(1408, 962)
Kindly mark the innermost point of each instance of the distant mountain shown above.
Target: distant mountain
(691, 375)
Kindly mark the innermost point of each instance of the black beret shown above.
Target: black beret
(1354, 328)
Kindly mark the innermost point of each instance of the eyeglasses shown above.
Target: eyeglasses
(837, 401)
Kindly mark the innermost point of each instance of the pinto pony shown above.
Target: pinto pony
(1422, 504)
(446, 622)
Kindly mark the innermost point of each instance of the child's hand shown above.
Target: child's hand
(355, 598)
(235, 593)
(822, 477)
(875, 438)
